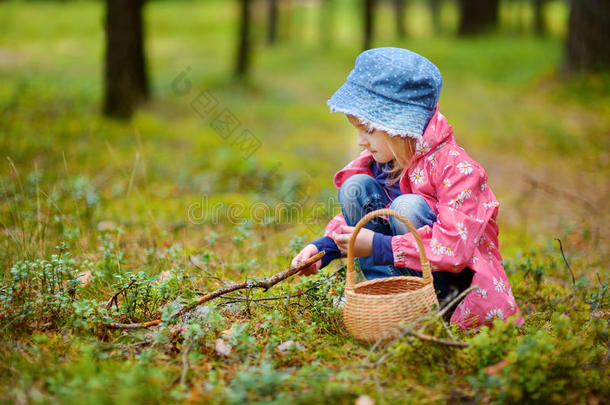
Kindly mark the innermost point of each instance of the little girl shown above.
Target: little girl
(412, 164)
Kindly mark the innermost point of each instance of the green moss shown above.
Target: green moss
(121, 200)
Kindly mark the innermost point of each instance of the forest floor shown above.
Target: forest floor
(167, 207)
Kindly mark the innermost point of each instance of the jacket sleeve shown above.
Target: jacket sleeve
(465, 207)
(326, 243)
(334, 224)
(329, 246)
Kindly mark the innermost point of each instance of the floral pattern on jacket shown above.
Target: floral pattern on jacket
(465, 233)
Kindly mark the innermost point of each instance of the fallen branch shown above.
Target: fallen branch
(408, 330)
(113, 299)
(428, 338)
(249, 284)
(455, 301)
(232, 300)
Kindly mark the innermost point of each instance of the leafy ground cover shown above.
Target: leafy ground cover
(161, 210)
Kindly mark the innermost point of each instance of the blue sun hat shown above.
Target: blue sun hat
(390, 89)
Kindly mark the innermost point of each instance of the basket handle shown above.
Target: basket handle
(425, 264)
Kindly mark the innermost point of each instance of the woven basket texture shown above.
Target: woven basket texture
(374, 308)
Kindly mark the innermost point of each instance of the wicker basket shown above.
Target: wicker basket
(374, 308)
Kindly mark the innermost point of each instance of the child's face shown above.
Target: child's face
(373, 141)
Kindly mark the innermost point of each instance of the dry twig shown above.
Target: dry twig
(428, 338)
(569, 268)
(113, 299)
(249, 284)
(232, 300)
(455, 301)
(419, 333)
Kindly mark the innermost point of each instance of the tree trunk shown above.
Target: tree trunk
(539, 22)
(588, 44)
(477, 16)
(272, 22)
(435, 11)
(369, 18)
(243, 50)
(286, 22)
(399, 10)
(327, 14)
(126, 80)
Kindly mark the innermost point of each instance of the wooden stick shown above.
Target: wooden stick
(113, 299)
(242, 299)
(456, 301)
(428, 338)
(264, 283)
(418, 334)
(566, 261)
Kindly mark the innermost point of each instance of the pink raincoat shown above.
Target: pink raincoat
(465, 233)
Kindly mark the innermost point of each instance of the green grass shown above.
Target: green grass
(114, 198)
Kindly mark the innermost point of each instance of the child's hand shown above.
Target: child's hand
(363, 246)
(306, 253)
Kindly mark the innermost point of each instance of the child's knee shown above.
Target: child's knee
(355, 187)
(406, 204)
(413, 207)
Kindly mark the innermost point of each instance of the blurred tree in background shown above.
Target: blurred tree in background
(369, 19)
(539, 22)
(126, 82)
(588, 43)
(126, 79)
(327, 12)
(478, 16)
(243, 48)
(401, 31)
(435, 10)
(272, 21)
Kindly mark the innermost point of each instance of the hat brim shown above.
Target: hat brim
(380, 112)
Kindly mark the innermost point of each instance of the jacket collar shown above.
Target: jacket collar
(437, 133)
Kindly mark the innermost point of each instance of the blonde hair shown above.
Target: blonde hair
(403, 150)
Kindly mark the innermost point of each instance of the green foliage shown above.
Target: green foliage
(258, 383)
(114, 198)
(241, 233)
(39, 290)
(530, 269)
(141, 295)
(94, 379)
(490, 345)
(84, 192)
(112, 257)
(596, 298)
(552, 364)
(44, 293)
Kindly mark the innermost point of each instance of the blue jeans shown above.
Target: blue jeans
(361, 194)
